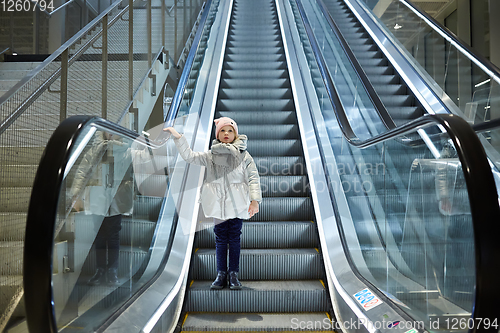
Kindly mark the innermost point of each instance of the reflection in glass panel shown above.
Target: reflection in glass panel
(446, 68)
(106, 222)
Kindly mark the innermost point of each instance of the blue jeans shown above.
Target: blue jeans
(228, 233)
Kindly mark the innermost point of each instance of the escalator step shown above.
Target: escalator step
(267, 235)
(260, 117)
(253, 93)
(263, 264)
(279, 186)
(255, 322)
(285, 209)
(270, 132)
(277, 148)
(259, 296)
(252, 104)
(280, 165)
(263, 75)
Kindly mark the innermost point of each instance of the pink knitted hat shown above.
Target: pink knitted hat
(225, 121)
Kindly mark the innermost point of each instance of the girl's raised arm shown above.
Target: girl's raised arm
(199, 158)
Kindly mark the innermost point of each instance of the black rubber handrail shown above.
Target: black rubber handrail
(42, 212)
(372, 94)
(40, 225)
(482, 192)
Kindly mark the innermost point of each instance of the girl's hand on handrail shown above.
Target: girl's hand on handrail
(173, 132)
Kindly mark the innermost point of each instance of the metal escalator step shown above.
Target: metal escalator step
(375, 71)
(390, 89)
(405, 112)
(255, 104)
(384, 79)
(256, 322)
(280, 186)
(253, 50)
(260, 117)
(152, 185)
(255, 93)
(267, 235)
(245, 74)
(259, 296)
(137, 232)
(280, 165)
(285, 209)
(270, 132)
(255, 57)
(252, 37)
(257, 83)
(255, 65)
(244, 28)
(264, 264)
(254, 44)
(398, 100)
(146, 207)
(279, 148)
(269, 26)
(364, 62)
(130, 260)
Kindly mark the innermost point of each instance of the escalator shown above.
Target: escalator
(349, 231)
(280, 258)
(393, 92)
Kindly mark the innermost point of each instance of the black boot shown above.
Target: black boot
(113, 277)
(98, 278)
(234, 283)
(220, 281)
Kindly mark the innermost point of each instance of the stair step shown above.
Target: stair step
(267, 235)
(259, 296)
(256, 322)
(264, 264)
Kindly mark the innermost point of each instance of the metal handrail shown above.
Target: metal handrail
(179, 92)
(55, 10)
(5, 51)
(173, 6)
(19, 110)
(482, 191)
(374, 97)
(483, 63)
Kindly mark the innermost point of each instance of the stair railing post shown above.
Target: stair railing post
(131, 49)
(175, 32)
(163, 40)
(105, 67)
(149, 31)
(63, 101)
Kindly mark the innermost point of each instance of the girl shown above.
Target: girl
(230, 192)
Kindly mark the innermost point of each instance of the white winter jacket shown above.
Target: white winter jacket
(231, 178)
